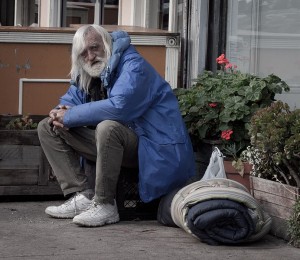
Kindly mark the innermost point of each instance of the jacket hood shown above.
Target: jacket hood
(120, 43)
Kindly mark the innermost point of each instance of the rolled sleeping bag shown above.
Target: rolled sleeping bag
(219, 211)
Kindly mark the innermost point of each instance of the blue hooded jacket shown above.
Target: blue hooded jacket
(140, 98)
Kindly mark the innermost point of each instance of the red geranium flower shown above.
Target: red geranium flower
(228, 66)
(212, 104)
(226, 134)
(222, 60)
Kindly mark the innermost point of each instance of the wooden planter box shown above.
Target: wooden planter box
(276, 199)
(24, 169)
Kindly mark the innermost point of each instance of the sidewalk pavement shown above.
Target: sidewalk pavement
(28, 233)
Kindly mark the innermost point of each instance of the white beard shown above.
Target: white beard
(95, 69)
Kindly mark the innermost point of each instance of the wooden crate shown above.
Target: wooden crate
(24, 169)
(276, 199)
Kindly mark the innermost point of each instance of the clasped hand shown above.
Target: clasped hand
(57, 116)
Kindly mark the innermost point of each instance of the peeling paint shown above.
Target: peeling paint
(26, 66)
(18, 68)
(3, 65)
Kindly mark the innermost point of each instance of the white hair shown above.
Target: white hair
(78, 47)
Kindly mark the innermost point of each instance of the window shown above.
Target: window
(263, 37)
(58, 13)
(83, 12)
(7, 9)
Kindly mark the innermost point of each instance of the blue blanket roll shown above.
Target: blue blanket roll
(220, 221)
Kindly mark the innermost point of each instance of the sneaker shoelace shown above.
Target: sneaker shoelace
(93, 204)
(69, 201)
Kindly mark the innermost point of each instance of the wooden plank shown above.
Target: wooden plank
(19, 155)
(44, 169)
(51, 189)
(272, 198)
(18, 177)
(277, 200)
(18, 166)
(276, 210)
(273, 187)
(21, 137)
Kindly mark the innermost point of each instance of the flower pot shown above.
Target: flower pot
(277, 200)
(234, 174)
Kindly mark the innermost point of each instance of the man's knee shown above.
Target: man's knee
(105, 125)
(107, 128)
(43, 126)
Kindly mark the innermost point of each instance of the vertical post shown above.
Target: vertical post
(63, 13)
(198, 40)
(99, 12)
(50, 13)
(173, 16)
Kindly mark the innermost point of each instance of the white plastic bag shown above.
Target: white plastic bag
(215, 169)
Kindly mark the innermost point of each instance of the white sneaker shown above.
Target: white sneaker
(72, 207)
(98, 215)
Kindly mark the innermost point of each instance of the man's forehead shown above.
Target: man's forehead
(93, 37)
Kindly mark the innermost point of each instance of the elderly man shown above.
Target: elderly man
(118, 112)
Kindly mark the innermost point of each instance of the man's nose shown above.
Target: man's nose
(91, 55)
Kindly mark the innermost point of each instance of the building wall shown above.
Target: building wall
(28, 69)
(44, 61)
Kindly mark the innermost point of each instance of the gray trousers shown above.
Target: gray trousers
(111, 145)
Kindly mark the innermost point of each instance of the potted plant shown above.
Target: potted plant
(13, 129)
(21, 123)
(275, 144)
(275, 156)
(24, 168)
(219, 106)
